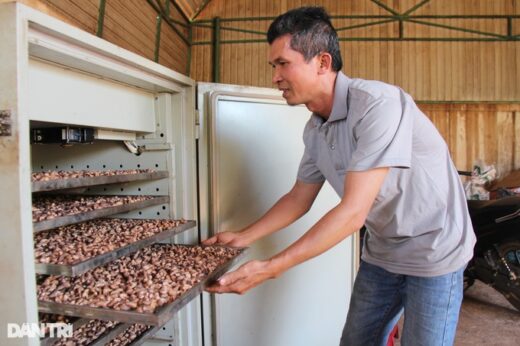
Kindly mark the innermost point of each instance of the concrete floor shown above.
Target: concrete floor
(486, 318)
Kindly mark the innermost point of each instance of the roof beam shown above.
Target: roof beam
(416, 7)
(101, 18)
(380, 4)
(160, 11)
(200, 9)
(183, 14)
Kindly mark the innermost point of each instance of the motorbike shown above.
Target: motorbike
(496, 256)
(496, 260)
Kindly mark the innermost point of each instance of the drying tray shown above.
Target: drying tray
(111, 334)
(47, 341)
(71, 183)
(145, 335)
(102, 340)
(96, 261)
(159, 317)
(98, 213)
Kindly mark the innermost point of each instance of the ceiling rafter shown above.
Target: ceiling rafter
(189, 9)
(182, 10)
(201, 7)
(157, 6)
(402, 17)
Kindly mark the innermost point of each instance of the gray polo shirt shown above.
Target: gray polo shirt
(419, 223)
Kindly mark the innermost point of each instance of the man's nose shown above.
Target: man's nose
(276, 76)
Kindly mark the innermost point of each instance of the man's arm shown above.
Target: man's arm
(285, 211)
(361, 189)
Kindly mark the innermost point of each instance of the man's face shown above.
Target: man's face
(295, 77)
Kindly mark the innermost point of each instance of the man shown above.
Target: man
(394, 175)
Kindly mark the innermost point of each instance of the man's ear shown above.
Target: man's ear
(325, 62)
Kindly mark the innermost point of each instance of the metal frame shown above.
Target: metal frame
(31, 38)
(109, 335)
(162, 315)
(150, 333)
(371, 20)
(379, 20)
(59, 184)
(163, 13)
(16, 244)
(49, 341)
(393, 16)
(157, 38)
(216, 49)
(97, 213)
(200, 9)
(79, 268)
(101, 18)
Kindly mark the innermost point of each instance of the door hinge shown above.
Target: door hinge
(5, 122)
(197, 124)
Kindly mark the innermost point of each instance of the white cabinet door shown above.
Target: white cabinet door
(249, 151)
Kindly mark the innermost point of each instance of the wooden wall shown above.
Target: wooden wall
(439, 71)
(487, 132)
(130, 24)
(486, 74)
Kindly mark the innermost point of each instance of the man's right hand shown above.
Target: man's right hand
(234, 239)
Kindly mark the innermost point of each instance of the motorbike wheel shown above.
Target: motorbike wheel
(468, 282)
(469, 276)
(510, 251)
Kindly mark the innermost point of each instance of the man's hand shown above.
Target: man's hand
(234, 239)
(289, 208)
(247, 276)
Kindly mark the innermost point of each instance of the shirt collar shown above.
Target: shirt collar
(339, 106)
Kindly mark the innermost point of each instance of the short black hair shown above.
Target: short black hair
(311, 33)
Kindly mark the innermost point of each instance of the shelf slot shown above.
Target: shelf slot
(96, 261)
(98, 213)
(72, 183)
(159, 317)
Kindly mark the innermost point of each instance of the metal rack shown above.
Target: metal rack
(102, 340)
(59, 75)
(59, 184)
(48, 341)
(162, 314)
(109, 335)
(145, 336)
(96, 261)
(96, 214)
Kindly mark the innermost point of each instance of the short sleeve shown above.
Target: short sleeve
(308, 171)
(383, 136)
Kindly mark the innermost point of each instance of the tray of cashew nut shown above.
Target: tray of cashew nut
(104, 333)
(59, 210)
(89, 332)
(74, 249)
(57, 180)
(134, 335)
(50, 338)
(147, 287)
